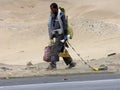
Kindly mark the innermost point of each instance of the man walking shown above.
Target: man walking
(57, 27)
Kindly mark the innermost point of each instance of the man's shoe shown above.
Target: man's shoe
(50, 67)
(73, 64)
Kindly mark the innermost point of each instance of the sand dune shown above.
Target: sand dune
(23, 28)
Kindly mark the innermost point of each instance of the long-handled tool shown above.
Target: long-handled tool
(93, 68)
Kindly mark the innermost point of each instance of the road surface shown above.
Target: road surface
(112, 84)
(54, 79)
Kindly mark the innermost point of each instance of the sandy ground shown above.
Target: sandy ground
(23, 33)
(15, 71)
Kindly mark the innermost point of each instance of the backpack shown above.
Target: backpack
(69, 27)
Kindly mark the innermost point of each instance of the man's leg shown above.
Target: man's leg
(54, 57)
(56, 49)
(69, 61)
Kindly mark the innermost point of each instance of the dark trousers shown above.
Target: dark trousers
(56, 49)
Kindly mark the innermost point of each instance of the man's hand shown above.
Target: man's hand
(65, 38)
(52, 42)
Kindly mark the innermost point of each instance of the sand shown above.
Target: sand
(24, 31)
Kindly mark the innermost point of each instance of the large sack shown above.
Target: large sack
(70, 30)
(69, 26)
(47, 54)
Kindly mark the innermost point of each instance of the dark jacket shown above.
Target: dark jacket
(57, 22)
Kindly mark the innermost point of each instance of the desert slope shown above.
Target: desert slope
(23, 28)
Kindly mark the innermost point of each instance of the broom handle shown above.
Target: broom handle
(79, 55)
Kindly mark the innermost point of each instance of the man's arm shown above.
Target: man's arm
(49, 28)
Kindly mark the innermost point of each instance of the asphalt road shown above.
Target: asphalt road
(111, 84)
(55, 79)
